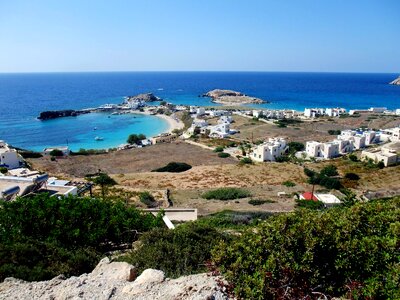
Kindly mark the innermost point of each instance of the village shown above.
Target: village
(238, 135)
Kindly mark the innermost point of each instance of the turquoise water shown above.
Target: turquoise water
(78, 132)
(24, 96)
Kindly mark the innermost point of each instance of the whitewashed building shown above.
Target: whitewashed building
(9, 158)
(270, 150)
(322, 150)
(220, 130)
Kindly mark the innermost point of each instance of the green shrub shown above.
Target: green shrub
(295, 147)
(309, 204)
(226, 194)
(256, 202)
(288, 183)
(380, 165)
(147, 199)
(352, 176)
(350, 253)
(334, 132)
(89, 152)
(52, 158)
(228, 219)
(329, 170)
(135, 138)
(246, 161)
(30, 154)
(42, 236)
(3, 170)
(223, 155)
(56, 152)
(219, 149)
(353, 157)
(182, 251)
(174, 167)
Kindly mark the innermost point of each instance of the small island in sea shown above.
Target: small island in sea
(396, 81)
(229, 97)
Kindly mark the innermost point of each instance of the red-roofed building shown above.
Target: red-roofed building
(308, 196)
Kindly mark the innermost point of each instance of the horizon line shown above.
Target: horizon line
(197, 71)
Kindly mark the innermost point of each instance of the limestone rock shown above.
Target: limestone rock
(231, 97)
(396, 81)
(110, 280)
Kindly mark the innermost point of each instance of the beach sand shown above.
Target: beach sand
(173, 122)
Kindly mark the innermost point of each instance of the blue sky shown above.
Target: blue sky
(206, 35)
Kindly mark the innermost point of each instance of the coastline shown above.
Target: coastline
(172, 122)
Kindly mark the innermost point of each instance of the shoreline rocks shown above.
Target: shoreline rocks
(116, 280)
(396, 81)
(229, 97)
(147, 97)
(54, 114)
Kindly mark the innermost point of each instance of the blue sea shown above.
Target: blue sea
(24, 96)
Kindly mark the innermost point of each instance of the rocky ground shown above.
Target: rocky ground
(116, 280)
(229, 97)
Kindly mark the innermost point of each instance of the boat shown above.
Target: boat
(95, 128)
(99, 138)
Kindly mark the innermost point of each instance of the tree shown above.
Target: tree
(135, 138)
(104, 181)
(56, 152)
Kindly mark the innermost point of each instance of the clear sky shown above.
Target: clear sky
(200, 35)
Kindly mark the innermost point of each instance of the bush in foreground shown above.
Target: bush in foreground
(223, 155)
(42, 237)
(174, 167)
(341, 252)
(226, 194)
(177, 252)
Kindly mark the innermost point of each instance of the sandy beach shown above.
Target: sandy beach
(173, 122)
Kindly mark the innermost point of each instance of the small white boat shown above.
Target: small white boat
(99, 138)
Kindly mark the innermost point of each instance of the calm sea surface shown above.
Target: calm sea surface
(24, 96)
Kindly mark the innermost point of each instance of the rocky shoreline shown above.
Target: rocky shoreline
(229, 97)
(54, 114)
(396, 81)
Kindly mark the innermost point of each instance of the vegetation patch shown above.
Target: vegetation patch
(42, 236)
(147, 199)
(223, 155)
(219, 149)
(226, 194)
(289, 183)
(257, 202)
(343, 252)
(174, 167)
(182, 251)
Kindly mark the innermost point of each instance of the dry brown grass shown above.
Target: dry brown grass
(129, 161)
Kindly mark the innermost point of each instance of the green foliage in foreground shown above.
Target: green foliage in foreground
(147, 199)
(174, 167)
(226, 194)
(309, 204)
(229, 219)
(182, 251)
(341, 252)
(42, 237)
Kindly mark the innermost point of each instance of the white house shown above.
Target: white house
(225, 119)
(270, 150)
(257, 113)
(9, 158)
(323, 150)
(377, 109)
(397, 111)
(200, 111)
(386, 154)
(220, 130)
(64, 149)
